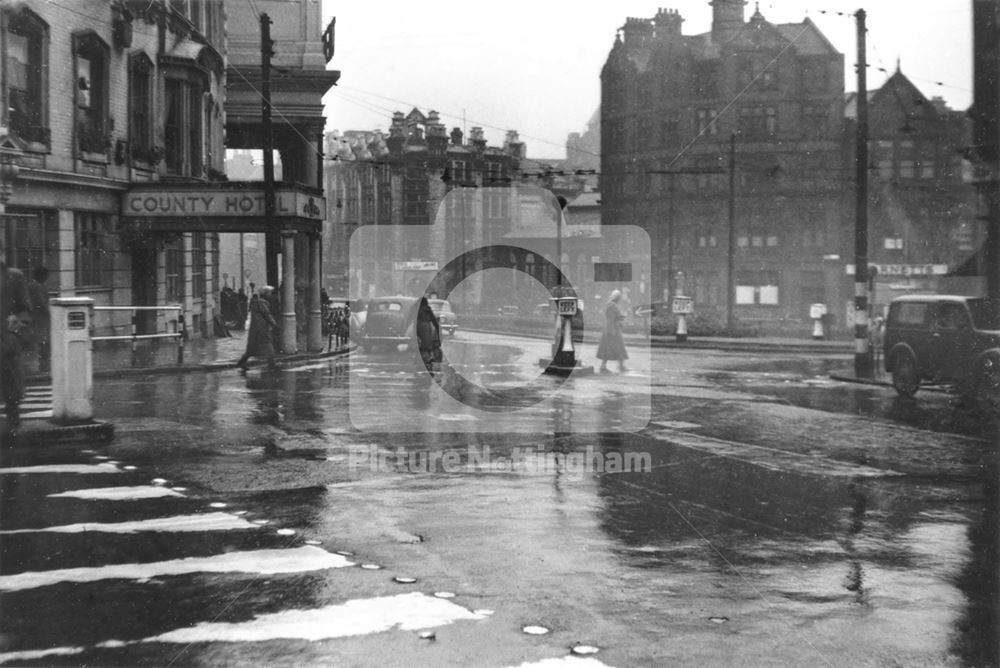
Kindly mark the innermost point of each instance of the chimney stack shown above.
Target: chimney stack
(727, 19)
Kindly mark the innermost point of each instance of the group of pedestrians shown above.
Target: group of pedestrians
(24, 326)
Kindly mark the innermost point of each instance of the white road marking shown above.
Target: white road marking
(117, 493)
(62, 468)
(31, 654)
(406, 612)
(675, 424)
(264, 562)
(565, 662)
(205, 522)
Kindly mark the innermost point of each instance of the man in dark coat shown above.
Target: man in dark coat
(262, 325)
(15, 324)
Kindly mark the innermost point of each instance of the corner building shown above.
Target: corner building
(100, 97)
(747, 116)
(113, 130)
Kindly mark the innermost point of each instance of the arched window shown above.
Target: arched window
(91, 54)
(26, 76)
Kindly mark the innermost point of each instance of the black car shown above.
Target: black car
(943, 339)
(394, 323)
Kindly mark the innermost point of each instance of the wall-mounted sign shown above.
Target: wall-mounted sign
(906, 269)
(246, 202)
(416, 265)
(76, 320)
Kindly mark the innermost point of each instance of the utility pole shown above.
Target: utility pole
(272, 241)
(862, 358)
(731, 245)
(986, 133)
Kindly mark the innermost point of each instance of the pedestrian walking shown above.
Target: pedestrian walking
(612, 345)
(262, 325)
(15, 324)
(38, 293)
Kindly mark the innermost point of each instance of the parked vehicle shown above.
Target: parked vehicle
(446, 317)
(509, 310)
(944, 339)
(398, 323)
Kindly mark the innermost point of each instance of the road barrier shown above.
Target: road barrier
(179, 326)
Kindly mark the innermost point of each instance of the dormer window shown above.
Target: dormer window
(25, 70)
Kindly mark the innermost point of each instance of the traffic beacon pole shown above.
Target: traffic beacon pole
(563, 361)
(862, 357)
(272, 241)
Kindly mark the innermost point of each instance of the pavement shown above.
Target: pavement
(116, 359)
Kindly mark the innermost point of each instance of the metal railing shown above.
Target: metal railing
(179, 325)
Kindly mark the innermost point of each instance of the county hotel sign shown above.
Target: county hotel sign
(228, 201)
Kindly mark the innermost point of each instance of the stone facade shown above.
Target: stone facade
(403, 178)
(747, 115)
(742, 134)
(98, 97)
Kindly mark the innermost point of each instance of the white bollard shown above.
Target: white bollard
(817, 328)
(682, 328)
(72, 359)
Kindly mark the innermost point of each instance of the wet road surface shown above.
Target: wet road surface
(764, 515)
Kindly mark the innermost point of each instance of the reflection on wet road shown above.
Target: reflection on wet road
(764, 516)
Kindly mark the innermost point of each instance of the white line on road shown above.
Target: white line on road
(117, 493)
(565, 662)
(205, 522)
(407, 612)
(61, 468)
(264, 562)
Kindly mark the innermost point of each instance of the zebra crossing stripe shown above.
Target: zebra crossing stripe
(357, 617)
(263, 562)
(61, 468)
(117, 493)
(177, 523)
(406, 612)
(566, 662)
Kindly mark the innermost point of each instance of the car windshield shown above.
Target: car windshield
(438, 305)
(983, 316)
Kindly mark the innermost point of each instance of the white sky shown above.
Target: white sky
(534, 66)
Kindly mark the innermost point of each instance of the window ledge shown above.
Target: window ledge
(101, 158)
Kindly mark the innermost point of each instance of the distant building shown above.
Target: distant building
(922, 217)
(401, 178)
(671, 105)
(744, 131)
(583, 150)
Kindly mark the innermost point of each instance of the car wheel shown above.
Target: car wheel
(988, 383)
(905, 378)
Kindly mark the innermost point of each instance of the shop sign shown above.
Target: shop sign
(906, 269)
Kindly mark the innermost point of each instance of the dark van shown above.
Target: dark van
(943, 339)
